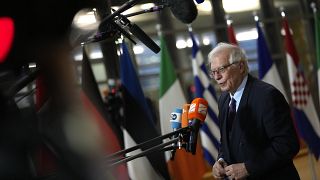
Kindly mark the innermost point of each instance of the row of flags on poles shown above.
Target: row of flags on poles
(138, 124)
(187, 166)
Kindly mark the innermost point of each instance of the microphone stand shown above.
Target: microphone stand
(125, 27)
(21, 83)
(123, 8)
(153, 9)
(114, 158)
(144, 153)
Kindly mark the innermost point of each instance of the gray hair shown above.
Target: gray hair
(236, 53)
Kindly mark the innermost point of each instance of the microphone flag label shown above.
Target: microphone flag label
(175, 118)
(202, 109)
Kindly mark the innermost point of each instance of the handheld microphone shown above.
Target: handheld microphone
(184, 10)
(197, 114)
(184, 123)
(184, 118)
(175, 120)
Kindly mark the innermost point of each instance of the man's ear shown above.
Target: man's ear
(241, 66)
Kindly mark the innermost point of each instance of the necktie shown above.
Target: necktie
(231, 114)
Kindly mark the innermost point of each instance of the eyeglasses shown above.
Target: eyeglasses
(220, 70)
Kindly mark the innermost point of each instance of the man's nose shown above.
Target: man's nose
(217, 76)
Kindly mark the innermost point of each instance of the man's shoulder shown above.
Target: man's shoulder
(263, 89)
(262, 86)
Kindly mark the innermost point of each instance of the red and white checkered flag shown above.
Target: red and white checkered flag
(300, 91)
(305, 113)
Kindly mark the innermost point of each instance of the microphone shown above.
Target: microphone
(175, 120)
(122, 8)
(144, 38)
(184, 123)
(123, 24)
(184, 118)
(196, 115)
(184, 10)
(108, 31)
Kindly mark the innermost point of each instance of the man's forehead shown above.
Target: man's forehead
(221, 57)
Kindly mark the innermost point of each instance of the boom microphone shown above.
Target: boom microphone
(184, 10)
(125, 26)
(197, 114)
(144, 38)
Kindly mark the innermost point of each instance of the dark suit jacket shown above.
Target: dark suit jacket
(263, 135)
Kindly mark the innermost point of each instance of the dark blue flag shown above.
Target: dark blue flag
(139, 123)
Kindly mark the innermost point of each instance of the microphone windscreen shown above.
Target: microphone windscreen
(175, 118)
(184, 10)
(184, 118)
(198, 109)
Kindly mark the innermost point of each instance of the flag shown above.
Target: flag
(210, 132)
(317, 31)
(185, 165)
(231, 36)
(268, 71)
(171, 93)
(138, 124)
(92, 101)
(307, 120)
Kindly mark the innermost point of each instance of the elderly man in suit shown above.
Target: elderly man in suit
(258, 139)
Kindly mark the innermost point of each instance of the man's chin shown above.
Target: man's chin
(223, 88)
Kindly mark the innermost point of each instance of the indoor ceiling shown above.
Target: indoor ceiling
(204, 20)
(243, 17)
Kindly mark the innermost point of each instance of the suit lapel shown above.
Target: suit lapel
(240, 120)
(224, 113)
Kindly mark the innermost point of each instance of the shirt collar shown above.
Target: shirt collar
(238, 94)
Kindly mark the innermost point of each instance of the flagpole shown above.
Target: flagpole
(231, 34)
(311, 164)
(317, 44)
(314, 177)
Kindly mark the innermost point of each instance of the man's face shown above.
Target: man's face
(228, 76)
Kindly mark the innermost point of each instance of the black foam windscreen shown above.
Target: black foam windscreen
(184, 10)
